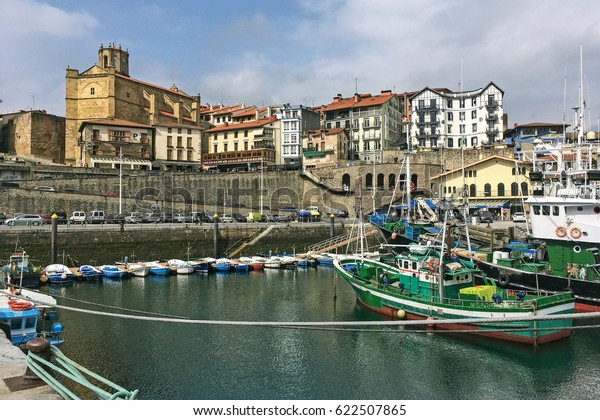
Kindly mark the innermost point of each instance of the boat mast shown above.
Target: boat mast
(581, 111)
(407, 183)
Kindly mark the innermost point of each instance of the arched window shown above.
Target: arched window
(454, 190)
(472, 190)
(514, 171)
(500, 189)
(369, 180)
(445, 191)
(514, 189)
(487, 190)
(470, 174)
(380, 181)
(524, 188)
(346, 182)
(392, 181)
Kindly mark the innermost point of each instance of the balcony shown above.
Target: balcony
(492, 118)
(244, 156)
(491, 106)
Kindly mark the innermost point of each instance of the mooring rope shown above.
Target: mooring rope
(77, 373)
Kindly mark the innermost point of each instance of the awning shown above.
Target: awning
(488, 203)
(117, 161)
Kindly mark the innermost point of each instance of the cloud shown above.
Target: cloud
(30, 18)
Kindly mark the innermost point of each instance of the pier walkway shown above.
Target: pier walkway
(12, 384)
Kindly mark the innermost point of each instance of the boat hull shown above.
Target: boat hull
(396, 303)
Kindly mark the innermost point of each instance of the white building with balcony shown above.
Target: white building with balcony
(442, 119)
(295, 121)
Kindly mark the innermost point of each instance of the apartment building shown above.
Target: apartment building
(241, 146)
(373, 123)
(178, 147)
(324, 148)
(296, 120)
(445, 119)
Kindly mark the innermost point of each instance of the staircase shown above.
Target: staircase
(338, 241)
(254, 240)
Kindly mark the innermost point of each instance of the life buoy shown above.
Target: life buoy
(561, 232)
(16, 305)
(433, 264)
(503, 280)
(575, 232)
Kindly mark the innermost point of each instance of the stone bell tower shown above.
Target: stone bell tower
(113, 57)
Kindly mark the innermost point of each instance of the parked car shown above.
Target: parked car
(165, 218)
(226, 218)
(77, 217)
(182, 218)
(199, 217)
(519, 217)
(45, 177)
(61, 217)
(151, 218)
(115, 218)
(239, 218)
(3, 217)
(282, 218)
(25, 220)
(96, 216)
(338, 213)
(133, 217)
(485, 216)
(44, 188)
(71, 190)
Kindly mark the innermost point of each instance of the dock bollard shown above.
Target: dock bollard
(40, 347)
(332, 225)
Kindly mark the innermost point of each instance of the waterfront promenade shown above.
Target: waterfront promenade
(12, 365)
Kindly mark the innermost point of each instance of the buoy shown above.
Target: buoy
(401, 314)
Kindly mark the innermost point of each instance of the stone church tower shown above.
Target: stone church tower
(115, 58)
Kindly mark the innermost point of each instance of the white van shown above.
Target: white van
(96, 216)
(77, 217)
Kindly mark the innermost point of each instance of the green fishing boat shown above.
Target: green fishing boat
(423, 283)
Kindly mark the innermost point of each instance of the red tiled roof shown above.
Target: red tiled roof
(242, 125)
(357, 101)
(116, 122)
(176, 92)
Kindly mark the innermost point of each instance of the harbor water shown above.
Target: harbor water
(172, 361)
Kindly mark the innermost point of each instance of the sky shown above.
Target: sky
(305, 52)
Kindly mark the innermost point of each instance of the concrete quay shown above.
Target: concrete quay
(12, 384)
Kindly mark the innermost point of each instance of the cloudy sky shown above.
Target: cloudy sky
(307, 51)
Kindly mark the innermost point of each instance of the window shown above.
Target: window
(215, 136)
(474, 128)
(189, 131)
(487, 190)
(169, 141)
(474, 103)
(473, 115)
(189, 142)
(179, 131)
(450, 116)
(555, 211)
(462, 103)
(450, 142)
(169, 130)
(96, 135)
(449, 103)
(500, 189)
(473, 141)
(461, 116)
(215, 148)
(190, 155)
(472, 190)
(514, 189)
(235, 134)
(92, 91)
(245, 133)
(545, 210)
(461, 129)
(179, 141)
(169, 154)
(225, 136)
(524, 188)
